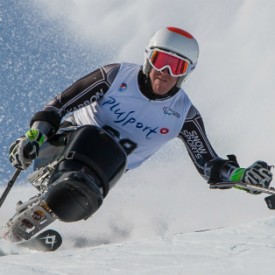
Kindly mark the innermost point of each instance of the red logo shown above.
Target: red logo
(122, 87)
(164, 131)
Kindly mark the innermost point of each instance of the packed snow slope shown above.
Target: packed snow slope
(238, 250)
(148, 222)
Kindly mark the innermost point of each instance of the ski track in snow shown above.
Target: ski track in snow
(124, 246)
(247, 249)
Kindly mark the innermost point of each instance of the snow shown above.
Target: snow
(137, 233)
(246, 249)
(155, 220)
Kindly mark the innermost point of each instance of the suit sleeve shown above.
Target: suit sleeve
(210, 166)
(83, 92)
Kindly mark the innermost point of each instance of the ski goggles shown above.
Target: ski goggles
(160, 60)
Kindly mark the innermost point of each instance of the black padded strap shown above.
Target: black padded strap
(51, 117)
(220, 169)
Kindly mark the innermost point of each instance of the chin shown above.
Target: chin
(160, 92)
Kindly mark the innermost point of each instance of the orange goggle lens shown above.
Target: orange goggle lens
(161, 60)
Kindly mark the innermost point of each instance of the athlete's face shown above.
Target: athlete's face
(161, 81)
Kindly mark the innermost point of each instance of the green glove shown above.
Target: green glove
(26, 148)
(258, 173)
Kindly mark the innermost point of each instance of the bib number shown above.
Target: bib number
(128, 145)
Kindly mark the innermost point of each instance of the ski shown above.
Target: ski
(47, 241)
(270, 200)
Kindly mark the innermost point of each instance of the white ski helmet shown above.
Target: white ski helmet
(176, 41)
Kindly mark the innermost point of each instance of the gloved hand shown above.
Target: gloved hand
(258, 173)
(26, 148)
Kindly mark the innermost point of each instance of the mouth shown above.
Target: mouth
(163, 79)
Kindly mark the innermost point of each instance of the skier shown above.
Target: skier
(113, 119)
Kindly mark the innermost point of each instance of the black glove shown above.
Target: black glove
(258, 173)
(26, 148)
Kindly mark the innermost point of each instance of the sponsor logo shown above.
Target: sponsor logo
(164, 131)
(92, 99)
(127, 118)
(169, 111)
(195, 143)
(49, 240)
(122, 87)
